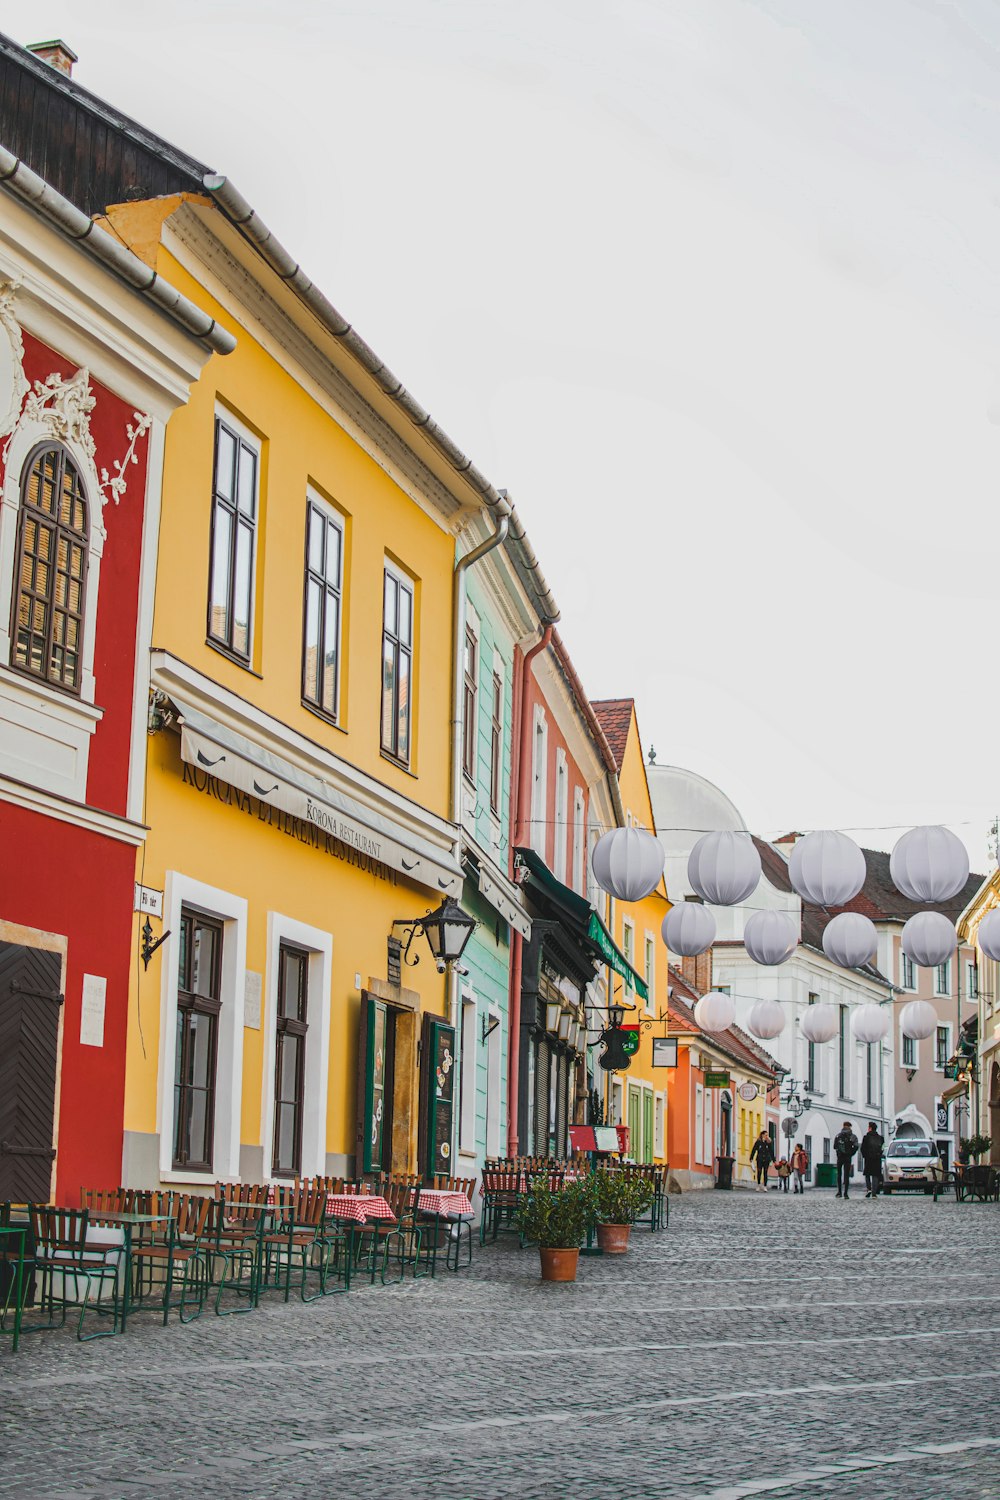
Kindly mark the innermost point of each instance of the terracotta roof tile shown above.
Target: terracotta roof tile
(615, 717)
(735, 1042)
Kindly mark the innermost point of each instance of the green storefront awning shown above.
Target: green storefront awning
(585, 920)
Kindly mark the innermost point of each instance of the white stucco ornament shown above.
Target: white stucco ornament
(820, 1023)
(871, 1022)
(771, 937)
(688, 929)
(929, 939)
(724, 868)
(766, 1019)
(827, 868)
(715, 1011)
(918, 1020)
(627, 863)
(988, 934)
(929, 864)
(850, 940)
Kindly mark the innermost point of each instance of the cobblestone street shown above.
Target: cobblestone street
(797, 1347)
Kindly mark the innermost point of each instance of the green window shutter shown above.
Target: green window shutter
(647, 1126)
(371, 1084)
(438, 1063)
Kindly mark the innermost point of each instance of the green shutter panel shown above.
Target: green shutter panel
(647, 1126)
(438, 1088)
(371, 1084)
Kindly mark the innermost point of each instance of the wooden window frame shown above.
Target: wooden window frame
(398, 649)
(237, 518)
(470, 703)
(58, 532)
(331, 595)
(191, 1003)
(298, 1026)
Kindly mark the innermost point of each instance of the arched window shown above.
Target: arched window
(51, 569)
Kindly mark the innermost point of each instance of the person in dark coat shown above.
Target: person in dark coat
(845, 1144)
(763, 1154)
(871, 1159)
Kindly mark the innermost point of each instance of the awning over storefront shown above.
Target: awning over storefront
(583, 916)
(219, 751)
(500, 893)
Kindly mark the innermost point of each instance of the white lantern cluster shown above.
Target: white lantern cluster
(929, 939)
(771, 937)
(820, 1023)
(918, 1020)
(870, 1023)
(850, 940)
(988, 934)
(827, 868)
(929, 865)
(724, 868)
(627, 863)
(688, 929)
(715, 1011)
(766, 1019)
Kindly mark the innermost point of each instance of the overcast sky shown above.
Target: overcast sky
(711, 288)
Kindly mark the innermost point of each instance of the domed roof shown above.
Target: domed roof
(685, 806)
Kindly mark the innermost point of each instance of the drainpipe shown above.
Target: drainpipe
(518, 809)
(462, 566)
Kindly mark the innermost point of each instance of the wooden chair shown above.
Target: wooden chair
(295, 1237)
(177, 1253)
(238, 1216)
(455, 1225)
(61, 1255)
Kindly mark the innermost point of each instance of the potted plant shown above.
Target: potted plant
(557, 1222)
(619, 1198)
(972, 1147)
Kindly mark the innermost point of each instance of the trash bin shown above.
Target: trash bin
(826, 1174)
(725, 1177)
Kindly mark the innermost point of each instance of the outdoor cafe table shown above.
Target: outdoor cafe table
(127, 1223)
(13, 1259)
(434, 1201)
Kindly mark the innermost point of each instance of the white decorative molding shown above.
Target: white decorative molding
(13, 381)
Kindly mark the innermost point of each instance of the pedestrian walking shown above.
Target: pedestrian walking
(800, 1166)
(845, 1144)
(784, 1171)
(763, 1154)
(871, 1159)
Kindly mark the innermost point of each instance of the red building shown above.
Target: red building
(90, 370)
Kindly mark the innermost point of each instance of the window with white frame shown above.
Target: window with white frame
(843, 1054)
(494, 1091)
(649, 970)
(562, 815)
(323, 600)
(699, 1123)
(907, 972)
(397, 664)
(467, 1078)
(708, 1146)
(496, 743)
(971, 982)
(235, 504)
(539, 775)
(594, 894)
(296, 1019)
(942, 1047)
(628, 949)
(617, 1102)
(909, 1052)
(942, 978)
(659, 1124)
(470, 702)
(579, 842)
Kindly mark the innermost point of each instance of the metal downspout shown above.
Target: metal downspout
(517, 942)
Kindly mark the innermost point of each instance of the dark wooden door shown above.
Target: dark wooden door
(29, 1041)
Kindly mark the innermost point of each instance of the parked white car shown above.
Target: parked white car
(911, 1163)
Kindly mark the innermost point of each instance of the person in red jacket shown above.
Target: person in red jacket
(800, 1166)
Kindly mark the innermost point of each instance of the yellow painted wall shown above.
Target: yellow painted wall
(192, 832)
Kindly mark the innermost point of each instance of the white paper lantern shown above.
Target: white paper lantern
(918, 1020)
(850, 940)
(820, 1023)
(870, 1023)
(715, 1011)
(724, 868)
(771, 937)
(627, 863)
(929, 864)
(988, 934)
(766, 1019)
(688, 928)
(929, 939)
(827, 868)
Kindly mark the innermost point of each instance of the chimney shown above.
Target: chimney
(56, 54)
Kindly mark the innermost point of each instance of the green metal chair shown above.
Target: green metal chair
(63, 1262)
(172, 1268)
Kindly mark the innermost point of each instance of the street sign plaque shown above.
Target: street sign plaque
(716, 1080)
(748, 1092)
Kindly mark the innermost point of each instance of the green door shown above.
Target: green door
(634, 1123)
(647, 1126)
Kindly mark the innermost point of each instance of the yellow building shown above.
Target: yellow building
(638, 1097)
(299, 766)
(980, 1084)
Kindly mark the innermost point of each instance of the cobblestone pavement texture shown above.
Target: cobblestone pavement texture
(762, 1345)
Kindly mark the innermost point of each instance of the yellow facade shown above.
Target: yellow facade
(984, 1083)
(216, 846)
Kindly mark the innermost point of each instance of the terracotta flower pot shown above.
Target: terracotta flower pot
(558, 1265)
(613, 1238)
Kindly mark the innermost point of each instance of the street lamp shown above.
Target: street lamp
(447, 929)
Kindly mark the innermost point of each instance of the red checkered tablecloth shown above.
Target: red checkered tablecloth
(358, 1207)
(433, 1201)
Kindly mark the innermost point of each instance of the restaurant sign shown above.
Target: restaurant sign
(717, 1080)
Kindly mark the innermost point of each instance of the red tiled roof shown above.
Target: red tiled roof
(615, 717)
(735, 1042)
